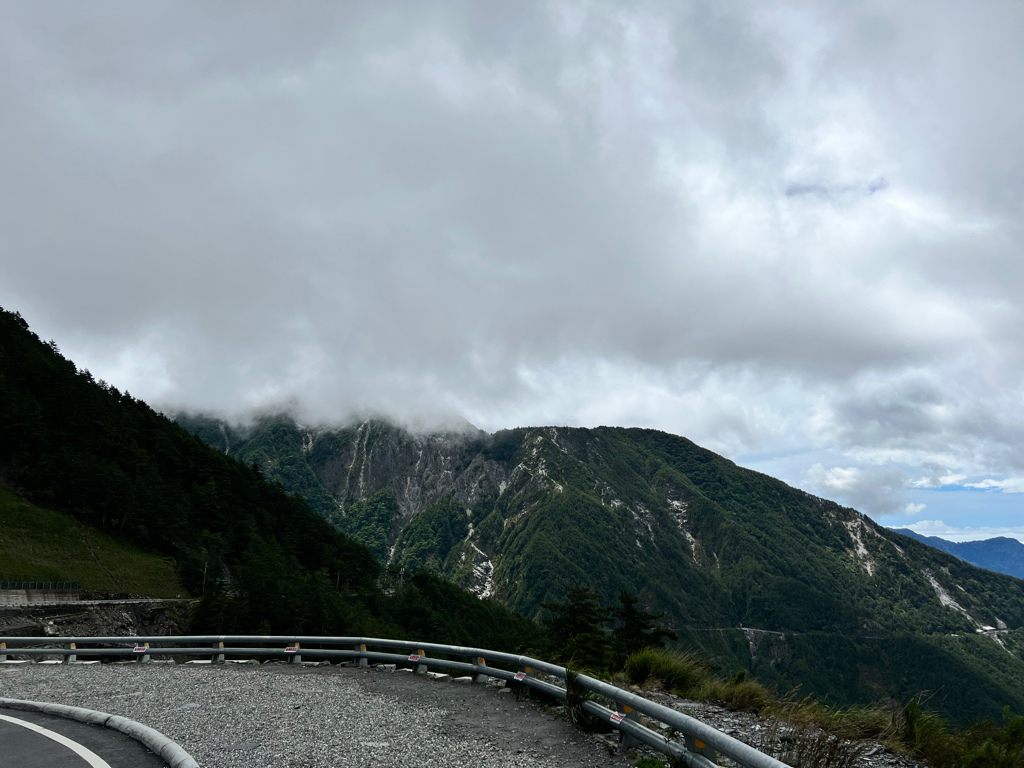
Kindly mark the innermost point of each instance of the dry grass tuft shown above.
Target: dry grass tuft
(807, 746)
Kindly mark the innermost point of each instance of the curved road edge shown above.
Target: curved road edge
(175, 756)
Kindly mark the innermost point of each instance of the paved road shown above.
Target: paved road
(35, 740)
(290, 716)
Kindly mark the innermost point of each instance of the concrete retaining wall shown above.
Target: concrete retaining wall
(18, 597)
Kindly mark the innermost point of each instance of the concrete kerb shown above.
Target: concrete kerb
(155, 741)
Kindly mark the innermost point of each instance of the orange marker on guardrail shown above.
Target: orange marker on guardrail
(480, 677)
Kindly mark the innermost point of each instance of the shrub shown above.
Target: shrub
(979, 745)
(680, 672)
(735, 694)
(748, 694)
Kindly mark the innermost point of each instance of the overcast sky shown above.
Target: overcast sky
(789, 231)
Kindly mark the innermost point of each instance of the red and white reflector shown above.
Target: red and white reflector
(618, 717)
(140, 649)
(520, 676)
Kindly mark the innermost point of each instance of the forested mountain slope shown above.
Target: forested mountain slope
(824, 596)
(263, 559)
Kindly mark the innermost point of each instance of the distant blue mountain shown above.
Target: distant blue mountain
(1000, 554)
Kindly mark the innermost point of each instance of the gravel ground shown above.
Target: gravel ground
(249, 716)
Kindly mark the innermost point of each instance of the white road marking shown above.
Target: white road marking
(88, 755)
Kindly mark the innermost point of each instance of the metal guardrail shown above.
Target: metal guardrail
(700, 747)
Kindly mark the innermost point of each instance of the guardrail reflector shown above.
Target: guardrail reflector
(291, 649)
(520, 676)
(618, 717)
(414, 657)
(140, 649)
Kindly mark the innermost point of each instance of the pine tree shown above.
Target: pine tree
(575, 628)
(637, 629)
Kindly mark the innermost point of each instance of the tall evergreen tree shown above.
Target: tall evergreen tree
(637, 629)
(576, 630)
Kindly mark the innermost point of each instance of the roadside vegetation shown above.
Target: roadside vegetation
(803, 731)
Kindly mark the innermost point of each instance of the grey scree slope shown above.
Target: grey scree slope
(315, 717)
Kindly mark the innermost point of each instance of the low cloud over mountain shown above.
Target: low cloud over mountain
(788, 231)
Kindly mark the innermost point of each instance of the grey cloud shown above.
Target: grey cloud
(832, 192)
(529, 212)
(875, 490)
(933, 421)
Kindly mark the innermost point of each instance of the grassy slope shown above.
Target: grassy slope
(40, 544)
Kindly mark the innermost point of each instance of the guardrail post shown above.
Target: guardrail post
(297, 658)
(698, 746)
(3, 647)
(70, 658)
(625, 739)
(362, 661)
(218, 658)
(480, 677)
(419, 669)
(144, 658)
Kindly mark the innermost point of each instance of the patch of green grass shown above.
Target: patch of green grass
(687, 675)
(737, 693)
(42, 545)
(679, 672)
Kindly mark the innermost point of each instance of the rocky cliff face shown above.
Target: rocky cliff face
(108, 618)
(374, 459)
(418, 470)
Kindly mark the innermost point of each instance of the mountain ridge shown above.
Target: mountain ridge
(1000, 553)
(731, 556)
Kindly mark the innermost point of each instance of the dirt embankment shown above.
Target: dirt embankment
(97, 618)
